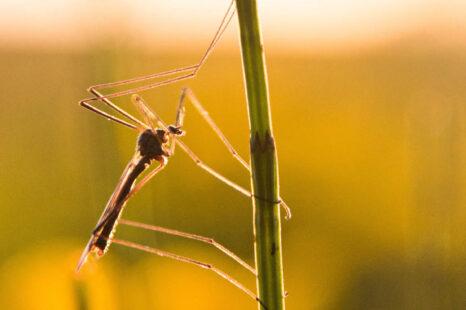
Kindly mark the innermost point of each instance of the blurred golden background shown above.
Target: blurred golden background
(368, 106)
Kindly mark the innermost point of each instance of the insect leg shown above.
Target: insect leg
(190, 236)
(180, 112)
(192, 98)
(146, 179)
(197, 160)
(187, 92)
(88, 106)
(194, 69)
(191, 261)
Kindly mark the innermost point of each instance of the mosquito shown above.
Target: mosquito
(156, 143)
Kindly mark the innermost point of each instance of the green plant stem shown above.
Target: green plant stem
(264, 166)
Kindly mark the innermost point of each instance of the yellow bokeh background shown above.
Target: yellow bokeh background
(371, 143)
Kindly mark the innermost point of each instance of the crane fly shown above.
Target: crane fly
(151, 146)
(156, 143)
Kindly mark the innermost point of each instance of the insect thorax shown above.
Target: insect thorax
(150, 144)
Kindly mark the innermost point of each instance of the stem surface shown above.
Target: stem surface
(264, 166)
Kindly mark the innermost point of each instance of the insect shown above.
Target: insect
(151, 146)
(156, 143)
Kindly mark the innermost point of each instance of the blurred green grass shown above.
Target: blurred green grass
(371, 149)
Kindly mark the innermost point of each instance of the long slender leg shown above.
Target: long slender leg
(143, 109)
(190, 236)
(188, 93)
(137, 187)
(180, 112)
(146, 179)
(242, 190)
(191, 261)
(109, 117)
(192, 98)
(88, 106)
(142, 105)
(194, 69)
(197, 160)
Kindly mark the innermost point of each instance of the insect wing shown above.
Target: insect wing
(109, 209)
